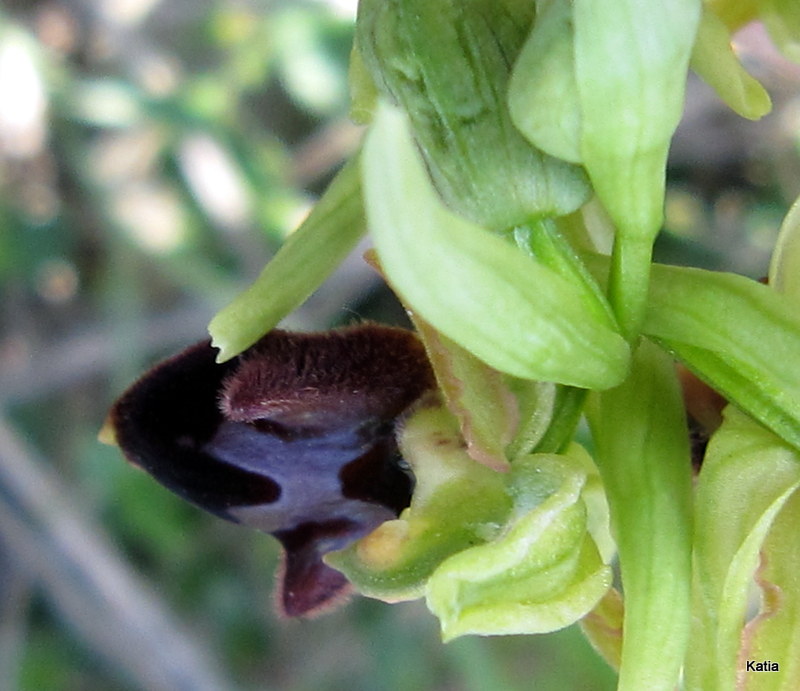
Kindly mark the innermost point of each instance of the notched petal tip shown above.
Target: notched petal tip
(307, 586)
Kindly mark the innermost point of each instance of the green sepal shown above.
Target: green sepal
(306, 259)
(748, 476)
(447, 64)
(510, 311)
(541, 574)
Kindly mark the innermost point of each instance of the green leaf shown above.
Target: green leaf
(738, 335)
(715, 62)
(478, 290)
(631, 58)
(748, 475)
(643, 456)
(543, 573)
(305, 260)
(542, 93)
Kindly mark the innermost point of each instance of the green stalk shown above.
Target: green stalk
(629, 281)
(643, 458)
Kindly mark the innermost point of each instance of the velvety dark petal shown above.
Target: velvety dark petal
(308, 586)
(330, 379)
(295, 437)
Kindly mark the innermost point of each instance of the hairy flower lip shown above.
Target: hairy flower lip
(294, 437)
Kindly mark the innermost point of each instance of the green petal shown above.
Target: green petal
(715, 62)
(305, 260)
(478, 290)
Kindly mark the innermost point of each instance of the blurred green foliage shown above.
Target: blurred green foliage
(153, 155)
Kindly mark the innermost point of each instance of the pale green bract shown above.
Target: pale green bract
(748, 477)
(740, 336)
(631, 58)
(516, 315)
(784, 273)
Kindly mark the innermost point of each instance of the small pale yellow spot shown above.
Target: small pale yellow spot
(382, 547)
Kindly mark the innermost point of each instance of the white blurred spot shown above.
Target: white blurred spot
(106, 103)
(23, 102)
(152, 214)
(128, 12)
(215, 181)
(159, 75)
(342, 8)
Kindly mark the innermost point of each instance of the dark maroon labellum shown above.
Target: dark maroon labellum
(295, 437)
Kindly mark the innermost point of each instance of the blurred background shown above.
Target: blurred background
(153, 156)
